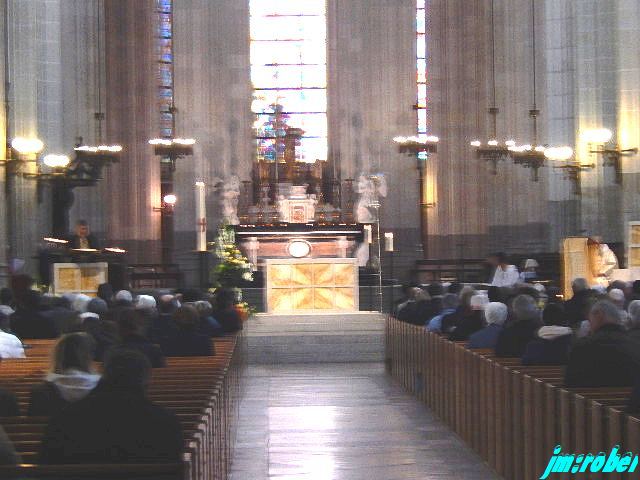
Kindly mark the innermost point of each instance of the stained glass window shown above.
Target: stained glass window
(165, 66)
(289, 76)
(421, 66)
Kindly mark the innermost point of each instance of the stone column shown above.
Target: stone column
(4, 246)
(371, 60)
(132, 113)
(212, 87)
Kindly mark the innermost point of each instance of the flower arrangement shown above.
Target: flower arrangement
(234, 269)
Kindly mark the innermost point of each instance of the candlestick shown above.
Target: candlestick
(368, 234)
(388, 242)
(201, 218)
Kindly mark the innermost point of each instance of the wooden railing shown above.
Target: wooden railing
(202, 391)
(511, 415)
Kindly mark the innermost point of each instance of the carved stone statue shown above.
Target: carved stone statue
(370, 188)
(229, 199)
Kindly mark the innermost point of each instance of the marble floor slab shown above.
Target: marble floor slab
(342, 422)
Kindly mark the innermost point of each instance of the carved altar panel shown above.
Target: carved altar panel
(311, 285)
(79, 277)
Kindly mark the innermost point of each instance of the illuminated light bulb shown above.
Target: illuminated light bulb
(56, 161)
(510, 143)
(433, 139)
(199, 184)
(475, 143)
(170, 199)
(597, 135)
(492, 143)
(526, 147)
(539, 148)
(184, 141)
(559, 153)
(27, 146)
(160, 141)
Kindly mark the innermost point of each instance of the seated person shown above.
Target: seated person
(116, 422)
(608, 356)
(70, 379)
(450, 322)
(188, 340)
(9, 406)
(418, 310)
(208, 324)
(8, 455)
(449, 304)
(97, 324)
(10, 345)
(105, 292)
(30, 319)
(551, 347)
(634, 319)
(224, 311)
(471, 323)
(131, 328)
(163, 326)
(576, 306)
(495, 315)
(521, 329)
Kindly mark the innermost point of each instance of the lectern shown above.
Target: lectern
(580, 257)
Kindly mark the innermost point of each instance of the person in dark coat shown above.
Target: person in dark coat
(224, 311)
(577, 306)
(131, 326)
(418, 310)
(471, 323)
(31, 318)
(187, 341)
(82, 237)
(551, 347)
(70, 379)
(9, 406)
(521, 329)
(116, 422)
(451, 321)
(495, 314)
(608, 357)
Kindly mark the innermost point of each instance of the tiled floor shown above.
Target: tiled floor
(342, 422)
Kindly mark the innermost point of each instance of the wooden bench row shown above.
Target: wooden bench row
(202, 391)
(512, 415)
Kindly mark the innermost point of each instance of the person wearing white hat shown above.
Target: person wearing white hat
(529, 272)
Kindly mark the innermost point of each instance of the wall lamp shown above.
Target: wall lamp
(572, 167)
(597, 139)
(168, 204)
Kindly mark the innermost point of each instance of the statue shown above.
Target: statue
(229, 199)
(370, 188)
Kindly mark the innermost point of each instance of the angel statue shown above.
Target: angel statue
(230, 192)
(370, 188)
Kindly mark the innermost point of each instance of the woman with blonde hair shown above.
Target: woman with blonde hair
(71, 376)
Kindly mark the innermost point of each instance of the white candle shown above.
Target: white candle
(201, 218)
(368, 235)
(388, 242)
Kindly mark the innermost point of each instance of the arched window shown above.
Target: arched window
(289, 76)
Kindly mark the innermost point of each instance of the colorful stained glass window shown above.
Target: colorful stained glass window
(289, 76)
(421, 66)
(164, 10)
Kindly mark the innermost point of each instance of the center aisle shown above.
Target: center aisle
(342, 422)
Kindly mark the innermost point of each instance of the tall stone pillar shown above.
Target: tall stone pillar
(22, 204)
(132, 114)
(3, 141)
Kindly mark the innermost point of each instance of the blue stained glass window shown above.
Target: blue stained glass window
(164, 9)
(289, 76)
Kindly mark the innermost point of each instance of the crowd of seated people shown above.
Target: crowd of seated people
(595, 334)
(130, 334)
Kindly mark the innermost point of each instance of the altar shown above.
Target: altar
(309, 285)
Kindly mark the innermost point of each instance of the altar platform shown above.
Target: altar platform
(315, 338)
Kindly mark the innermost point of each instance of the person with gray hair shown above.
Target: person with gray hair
(495, 315)
(608, 357)
(577, 306)
(525, 321)
(634, 316)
